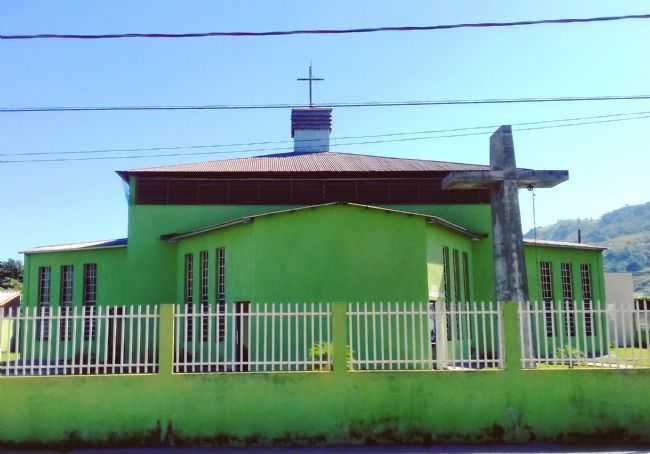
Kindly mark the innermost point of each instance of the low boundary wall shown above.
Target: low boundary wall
(341, 407)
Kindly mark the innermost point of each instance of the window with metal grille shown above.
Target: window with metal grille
(221, 291)
(203, 284)
(44, 286)
(587, 297)
(546, 287)
(466, 291)
(90, 300)
(446, 277)
(566, 275)
(189, 295)
(458, 297)
(66, 321)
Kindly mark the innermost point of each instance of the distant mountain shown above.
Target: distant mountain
(625, 231)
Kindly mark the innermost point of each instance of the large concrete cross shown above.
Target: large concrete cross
(504, 179)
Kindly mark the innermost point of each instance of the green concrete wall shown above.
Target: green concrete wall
(575, 257)
(325, 254)
(111, 275)
(339, 407)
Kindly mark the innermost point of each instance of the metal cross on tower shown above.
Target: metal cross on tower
(310, 79)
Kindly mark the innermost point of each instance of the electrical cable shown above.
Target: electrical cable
(240, 34)
(411, 103)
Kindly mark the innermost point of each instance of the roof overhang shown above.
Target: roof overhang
(563, 245)
(85, 246)
(435, 220)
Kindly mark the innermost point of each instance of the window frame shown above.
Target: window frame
(66, 302)
(44, 294)
(568, 299)
(89, 300)
(220, 286)
(586, 285)
(545, 269)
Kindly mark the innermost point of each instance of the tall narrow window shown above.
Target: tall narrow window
(466, 291)
(587, 297)
(66, 321)
(203, 284)
(567, 297)
(221, 290)
(44, 285)
(189, 296)
(90, 300)
(446, 278)
(546, 285)
(458, 297)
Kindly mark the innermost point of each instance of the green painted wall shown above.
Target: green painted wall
(147, 252)
(331, 253)
(111, 275)
(575, 257)
(328, 408)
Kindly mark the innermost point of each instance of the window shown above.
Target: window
(44, 278)
(587, 297)
(203, 283)
(457, 294)
(188, 295)
(466, 277)
(90, 300)
(221, 290)
(546, 287)
(446, 277)
(566, 275)
(66, 321)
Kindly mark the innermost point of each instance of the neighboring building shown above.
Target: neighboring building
(310, 225)
(623, 309)
(9, 302)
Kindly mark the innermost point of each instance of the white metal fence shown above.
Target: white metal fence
(570, 334)
(80, 340)
(253, 337)
(424, 336)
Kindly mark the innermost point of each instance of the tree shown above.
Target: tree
(11, 274)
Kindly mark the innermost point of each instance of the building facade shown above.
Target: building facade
(312, 225)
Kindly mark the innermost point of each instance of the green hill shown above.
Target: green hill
(625, 231)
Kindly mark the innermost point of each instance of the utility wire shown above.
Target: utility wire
(340, 31)
(332, 139)
(380, 141)
(412, 103)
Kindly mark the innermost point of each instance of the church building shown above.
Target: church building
(311, 225)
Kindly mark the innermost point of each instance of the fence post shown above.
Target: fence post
(511, 337)
(339, 338)
(166, 339)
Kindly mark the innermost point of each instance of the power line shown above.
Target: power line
(412, 103)
(407, 139)
(333, 139)
(343, 31)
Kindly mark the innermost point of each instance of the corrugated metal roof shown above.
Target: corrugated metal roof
(563, 244)
(104, 244)
(327, 161)
(173, 237)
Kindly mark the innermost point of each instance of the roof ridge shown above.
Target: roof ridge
(319, 154)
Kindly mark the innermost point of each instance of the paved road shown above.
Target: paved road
(528, 449)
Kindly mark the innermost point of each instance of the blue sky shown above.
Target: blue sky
(51, 203)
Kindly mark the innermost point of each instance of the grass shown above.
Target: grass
(6, 356)
(628, 357)
(639, 357)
